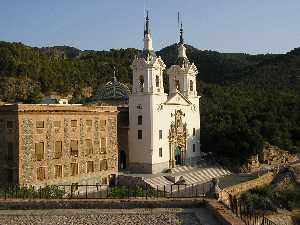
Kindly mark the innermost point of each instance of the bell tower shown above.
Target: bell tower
(182, 75)
(148, 68)
(147, 94)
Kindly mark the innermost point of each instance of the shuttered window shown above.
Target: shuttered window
(58, 150)
(58, 171)
(39, 151)
(102, 125)
(41, 173)
(103, 164)
(103, 145)
(74, 148)
(74, 169)
(73, 123)
(39, 124)
(89, 146)
(89, 123)
(90, 167)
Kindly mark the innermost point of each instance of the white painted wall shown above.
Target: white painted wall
(154, 105)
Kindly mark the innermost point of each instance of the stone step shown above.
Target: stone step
(190, 174)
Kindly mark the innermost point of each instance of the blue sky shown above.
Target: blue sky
(252, 26)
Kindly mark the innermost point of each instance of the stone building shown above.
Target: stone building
(58, 144)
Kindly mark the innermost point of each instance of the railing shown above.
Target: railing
(248, 215)
(76, 191)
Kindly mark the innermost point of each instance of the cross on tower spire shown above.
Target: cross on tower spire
(181, 41)
(147, 30)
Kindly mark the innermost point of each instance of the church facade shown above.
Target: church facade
(164, 129)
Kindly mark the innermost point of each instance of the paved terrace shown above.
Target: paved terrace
(115, 212)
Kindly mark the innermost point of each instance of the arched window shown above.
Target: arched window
(157, 81)
(141, 83)
(191, 85)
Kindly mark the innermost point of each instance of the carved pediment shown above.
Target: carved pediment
(178, 99)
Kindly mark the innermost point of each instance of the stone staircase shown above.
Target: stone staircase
(191, 174)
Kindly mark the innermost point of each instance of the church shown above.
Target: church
(164, 128)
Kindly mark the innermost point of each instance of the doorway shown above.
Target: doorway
(178, 158)
(123, 159)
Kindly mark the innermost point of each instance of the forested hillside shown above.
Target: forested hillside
(246, 99)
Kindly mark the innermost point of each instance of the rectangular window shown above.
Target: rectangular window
(10, 176)
(10, 151)
(103, 145)
(160, 152)
(39, 124)
(89, 123)
(90, 167)
(39, 151)
(89, 146)
(56, 124)
(74, 169)
(58, 150)
(41, 175)
(102, 125)
(9, 124)
(58, 171)
(194, 147)
(103, 164)
(74, 148)
(160, 134)
(194, 132)
(140, 120)
(140, 134)
(73, 123)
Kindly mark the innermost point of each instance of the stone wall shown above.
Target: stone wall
(237, 189)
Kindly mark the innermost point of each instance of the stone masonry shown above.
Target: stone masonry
(58, 144)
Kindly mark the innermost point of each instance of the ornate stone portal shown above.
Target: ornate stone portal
(177, 140)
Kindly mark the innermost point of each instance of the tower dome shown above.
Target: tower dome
(113, 90)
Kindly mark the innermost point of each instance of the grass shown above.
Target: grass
(51, 191)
